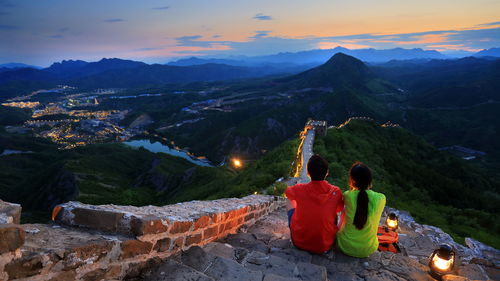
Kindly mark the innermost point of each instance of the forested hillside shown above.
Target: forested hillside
(437, 188)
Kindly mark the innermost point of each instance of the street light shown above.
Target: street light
(237, 163)
(392, 221)
(442, 261)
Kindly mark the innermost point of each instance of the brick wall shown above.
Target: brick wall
(109, 242)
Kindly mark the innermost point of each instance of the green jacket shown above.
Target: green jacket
(363, 242)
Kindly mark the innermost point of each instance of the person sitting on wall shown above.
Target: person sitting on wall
(313, 208)
(361, 216)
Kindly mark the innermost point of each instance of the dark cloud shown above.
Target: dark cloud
(261, 16)
(113, 20)
(192, 41)
(161, 8)
(63, 29)
(260, 34)
(8, 27)
(490, 23)
(2, 13)
(56, 36)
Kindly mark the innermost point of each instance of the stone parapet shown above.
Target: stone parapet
(10, 213)
(109, 242)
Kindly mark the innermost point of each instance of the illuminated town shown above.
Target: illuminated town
(63, 120)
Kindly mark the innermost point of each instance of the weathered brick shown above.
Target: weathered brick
(216, 218)
(24, 267)
(178, 243)
(131, 248)
(230, 225)
(193, 239)
(97, 219)
(162, 245)
(201, 222)
(79, 256)
(152, 225)
(10, 213)
(11, 237)
(180, 227)
(249, 216)
(210, 232)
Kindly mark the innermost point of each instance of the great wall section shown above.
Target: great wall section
(226, 239)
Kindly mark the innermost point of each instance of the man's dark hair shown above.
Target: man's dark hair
(317, 168)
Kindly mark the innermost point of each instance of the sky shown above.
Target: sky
(40, 32)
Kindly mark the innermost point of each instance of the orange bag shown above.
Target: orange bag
(387, 240)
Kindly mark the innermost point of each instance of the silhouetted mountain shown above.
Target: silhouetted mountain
(18, 65)
(126, 73)
(493, 52)
(316, 57)
(340, 70)
(71, 69)
(157, 74)
(198, 61)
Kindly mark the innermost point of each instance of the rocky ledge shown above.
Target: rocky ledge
(264, 252)
(227, 239)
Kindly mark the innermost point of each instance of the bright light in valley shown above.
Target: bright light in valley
(237, 163)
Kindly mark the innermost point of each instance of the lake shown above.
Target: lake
(159, 147)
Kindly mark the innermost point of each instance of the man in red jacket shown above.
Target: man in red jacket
(313, 220)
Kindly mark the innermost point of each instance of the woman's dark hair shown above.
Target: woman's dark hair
(317, 167)
(361, 178)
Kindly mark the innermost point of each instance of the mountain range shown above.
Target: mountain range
(317, 57)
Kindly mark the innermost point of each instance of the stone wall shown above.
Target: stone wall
(109, 242)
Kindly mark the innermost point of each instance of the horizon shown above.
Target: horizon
(154, 31)
(236, 57)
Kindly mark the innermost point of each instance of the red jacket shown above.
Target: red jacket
(314, 223)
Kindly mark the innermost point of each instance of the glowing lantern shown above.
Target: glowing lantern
(237, 163)
(392, 221)
(442, 261)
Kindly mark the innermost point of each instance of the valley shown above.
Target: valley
(176, 142)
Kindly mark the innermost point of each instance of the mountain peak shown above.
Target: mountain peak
(340, 70)
(342, 58)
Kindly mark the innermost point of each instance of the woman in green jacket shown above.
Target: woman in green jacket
(363, 209)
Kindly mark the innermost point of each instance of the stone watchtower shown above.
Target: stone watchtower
(319, 127)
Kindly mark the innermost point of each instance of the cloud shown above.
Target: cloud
(113, 20)
(216, 36)
(489, 23)
(193, 41)
(161, 8)
(56, 36)
(63, 29)
(148, 49)
(264, 42)
(260, 34)
(2, 13)
(8, 27)
(261, 16)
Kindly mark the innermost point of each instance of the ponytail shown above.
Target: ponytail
(361, 215)
(361, 178)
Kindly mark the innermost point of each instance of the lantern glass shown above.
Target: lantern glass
(392, 221)
(442, 261)
(442, 264)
